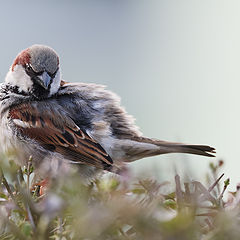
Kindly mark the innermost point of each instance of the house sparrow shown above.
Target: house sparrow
(58, 123)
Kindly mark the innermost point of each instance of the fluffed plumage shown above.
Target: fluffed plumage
(60, 123)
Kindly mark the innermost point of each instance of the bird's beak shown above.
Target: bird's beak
(45, 80)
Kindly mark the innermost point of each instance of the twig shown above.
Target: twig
(205, 192)
(5, 183)
(201, 206)
(27, 200)
(215, 183)
(14, 229)
(226, 183)
(20, 175)
(124, 234)
(179, 193)
(210, 225)
(30, 217)
(208, 214)
(60, 227)
(29, 171)
(187, 192)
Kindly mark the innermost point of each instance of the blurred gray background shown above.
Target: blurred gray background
(174, 63)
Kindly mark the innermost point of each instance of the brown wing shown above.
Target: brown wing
(57, 132)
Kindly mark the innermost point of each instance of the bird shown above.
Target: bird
(60, 123)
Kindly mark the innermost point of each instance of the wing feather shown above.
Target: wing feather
(58, 132)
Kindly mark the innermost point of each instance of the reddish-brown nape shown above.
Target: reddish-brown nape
(22, 58)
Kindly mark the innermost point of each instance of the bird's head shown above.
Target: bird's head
(36, 72)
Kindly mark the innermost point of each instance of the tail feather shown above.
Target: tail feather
(167, 147)
(193, 149)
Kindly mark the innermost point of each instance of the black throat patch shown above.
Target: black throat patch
(38, 91)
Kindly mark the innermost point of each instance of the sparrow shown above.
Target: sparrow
(60, 123)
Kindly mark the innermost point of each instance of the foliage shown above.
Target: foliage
(115, 207)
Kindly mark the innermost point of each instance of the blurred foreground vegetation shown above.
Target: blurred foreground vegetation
(116, 207)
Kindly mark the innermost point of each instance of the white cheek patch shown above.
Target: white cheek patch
(19, 78)
(55, 83)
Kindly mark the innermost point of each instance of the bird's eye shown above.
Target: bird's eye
(30, 71)
(28, 67)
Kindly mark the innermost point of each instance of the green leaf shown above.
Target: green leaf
(169, 203)
(138, 191)
(26, 229)
(2, 195)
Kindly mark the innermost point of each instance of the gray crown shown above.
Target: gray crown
(43, 58)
